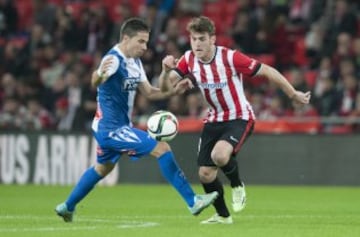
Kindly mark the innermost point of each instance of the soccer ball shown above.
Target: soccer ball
(162, 125)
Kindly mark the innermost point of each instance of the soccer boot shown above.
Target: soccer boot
(216, 219)
(202, 202)
(238, 198)
(62, 210)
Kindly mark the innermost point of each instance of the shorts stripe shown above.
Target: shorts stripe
(248, 129)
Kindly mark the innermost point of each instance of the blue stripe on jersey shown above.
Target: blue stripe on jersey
(116, 95)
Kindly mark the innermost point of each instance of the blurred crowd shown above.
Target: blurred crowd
(49, 48)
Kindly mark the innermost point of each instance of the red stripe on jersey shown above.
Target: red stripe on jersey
(191, 61)
(98, 113)
(232, 87)
(206, 90)
(219, 91)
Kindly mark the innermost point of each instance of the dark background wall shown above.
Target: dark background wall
(271, 159)
(54, 158)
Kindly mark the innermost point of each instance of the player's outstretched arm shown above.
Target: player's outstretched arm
(170, 80)
(275, 76)
(108, 66)
(154, 93)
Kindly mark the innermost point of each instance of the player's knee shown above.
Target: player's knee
(220, 158)
(207, 174)
(103, 169)
(160, 149)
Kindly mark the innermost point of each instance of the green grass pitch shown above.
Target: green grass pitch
(157, 211)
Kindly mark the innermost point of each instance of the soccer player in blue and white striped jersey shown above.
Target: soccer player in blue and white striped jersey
(117, 79)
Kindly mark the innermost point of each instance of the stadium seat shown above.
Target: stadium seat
(268, 59)
(300, 57)
(224, 40)
(75, 9)
(2, 41)
(24, 9)
(18, 42)
(310, 77)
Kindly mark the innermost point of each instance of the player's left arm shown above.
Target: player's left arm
(251, 67)
(154, 93)
(275, 76)
(108, 66)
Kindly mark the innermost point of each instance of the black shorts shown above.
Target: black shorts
(235, 132)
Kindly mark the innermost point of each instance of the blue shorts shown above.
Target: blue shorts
(125, 140)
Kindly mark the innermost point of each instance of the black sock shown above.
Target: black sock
(232, 172)
(219, 203)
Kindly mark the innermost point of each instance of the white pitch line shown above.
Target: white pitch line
(118, 223)
(48, 229)
(130, 221)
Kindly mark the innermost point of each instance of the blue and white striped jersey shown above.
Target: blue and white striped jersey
(115, 97)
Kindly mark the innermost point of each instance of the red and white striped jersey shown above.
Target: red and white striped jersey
(221, 82)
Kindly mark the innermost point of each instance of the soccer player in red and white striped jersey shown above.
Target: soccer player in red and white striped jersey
(219, 73)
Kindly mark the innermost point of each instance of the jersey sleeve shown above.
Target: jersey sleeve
(182, 67)
(113, 66)
(245, 65)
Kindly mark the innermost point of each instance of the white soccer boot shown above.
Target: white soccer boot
(238, 198)
(216, 219)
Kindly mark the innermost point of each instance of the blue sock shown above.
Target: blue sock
(176, 177)
(87, 181)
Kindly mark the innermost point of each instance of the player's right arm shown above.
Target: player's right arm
(107, 68)
(169, 79)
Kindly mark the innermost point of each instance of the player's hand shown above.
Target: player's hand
(168, 63)
(301, 97)
(183, 85)
(105, 68)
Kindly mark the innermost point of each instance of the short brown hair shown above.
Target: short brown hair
(201, 24)
(132, 26)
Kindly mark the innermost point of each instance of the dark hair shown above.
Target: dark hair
(201, 24)
(132, 26)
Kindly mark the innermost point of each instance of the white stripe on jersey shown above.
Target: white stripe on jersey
(225, 96)
(246, 108)
(220, 67)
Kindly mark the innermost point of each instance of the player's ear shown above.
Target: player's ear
(125, 38)
(213, 39)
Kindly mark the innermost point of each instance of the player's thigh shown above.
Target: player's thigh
(209, 136)
(236, 132)
(132, 141)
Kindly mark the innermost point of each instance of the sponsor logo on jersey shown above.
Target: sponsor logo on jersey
(213, 85)
(131, 83)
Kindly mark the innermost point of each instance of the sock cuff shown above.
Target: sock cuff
(94, 173)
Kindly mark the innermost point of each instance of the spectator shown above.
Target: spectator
(8, 18)
(195, 105)
(11, 113)
(327, 103)
(347, 98)
(44, 14)
(171, 33)
(36, 116)
(162, 10)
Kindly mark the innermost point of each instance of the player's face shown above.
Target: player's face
(137, 45)
(202, 45)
